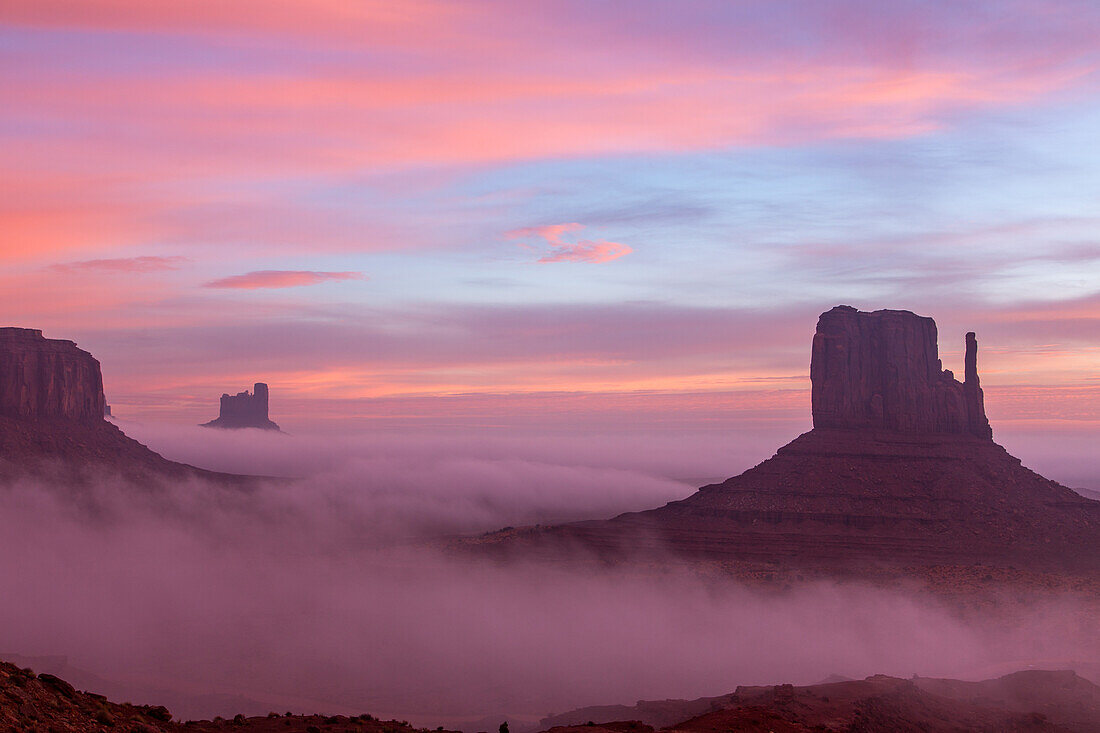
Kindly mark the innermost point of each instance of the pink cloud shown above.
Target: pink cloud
(468, 102)
(376, 21)
(550, 232)
(123, 264)
(545, 91)
(280, 279)
(593, 251)
(586, 251)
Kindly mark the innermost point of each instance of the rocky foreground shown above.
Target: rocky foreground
(44, 703)
(1025, 701)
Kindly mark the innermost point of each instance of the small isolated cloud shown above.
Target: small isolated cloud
(584, 250)
(122, 264)
(281, 279)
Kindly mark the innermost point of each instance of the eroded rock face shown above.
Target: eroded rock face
(882, 371)
(48, 379)
(244, 410)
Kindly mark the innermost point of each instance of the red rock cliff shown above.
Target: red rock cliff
(48, 379)
(882, 370)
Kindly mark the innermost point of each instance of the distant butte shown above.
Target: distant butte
(899, 470)
(244, 410)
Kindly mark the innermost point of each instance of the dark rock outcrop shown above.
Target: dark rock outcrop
(48, 379)
(52, 422)
(882, 371)
(900, 470)
(1033, 700)
(44, 702)
(244, 410)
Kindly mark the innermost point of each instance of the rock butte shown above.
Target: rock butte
(52, 418)
(48, 379)
(900, 469)
(882, 371)
(244, 410)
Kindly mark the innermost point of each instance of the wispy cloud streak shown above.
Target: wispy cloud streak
(591, 251)
(122, 264)
(271, 279)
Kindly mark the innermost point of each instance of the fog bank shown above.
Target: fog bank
(308, 595)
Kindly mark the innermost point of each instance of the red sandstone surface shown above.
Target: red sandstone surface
(48, 379)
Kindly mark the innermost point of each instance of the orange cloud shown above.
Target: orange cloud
(562, 251)
(280, 279)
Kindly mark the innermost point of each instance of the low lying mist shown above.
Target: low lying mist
(308, 595)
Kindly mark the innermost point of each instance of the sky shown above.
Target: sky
(558, 216)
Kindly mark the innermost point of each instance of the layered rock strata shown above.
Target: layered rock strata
(48, 379)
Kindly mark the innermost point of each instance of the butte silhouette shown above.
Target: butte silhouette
(900, 468)
(244, 410)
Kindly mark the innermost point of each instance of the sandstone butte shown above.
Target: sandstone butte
(900, 469)
(882, 371)
(244, 410)
(52, 422)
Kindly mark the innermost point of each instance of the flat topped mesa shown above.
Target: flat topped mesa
(244, 410)
(48, 379)
(882, 371)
